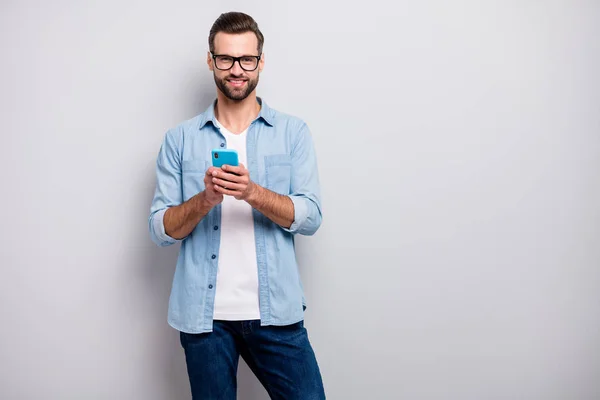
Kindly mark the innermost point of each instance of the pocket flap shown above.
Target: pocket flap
(194, 165)
(278, 159)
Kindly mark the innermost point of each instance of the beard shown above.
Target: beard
(232, 93)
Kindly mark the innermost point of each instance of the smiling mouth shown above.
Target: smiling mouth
(236, 82)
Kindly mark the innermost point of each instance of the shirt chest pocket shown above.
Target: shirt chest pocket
(192, 177)
(278, 173)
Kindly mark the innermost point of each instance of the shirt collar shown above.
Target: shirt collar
(266, 114)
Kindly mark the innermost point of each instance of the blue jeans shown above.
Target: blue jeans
(281, 357)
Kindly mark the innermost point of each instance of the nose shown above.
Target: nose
(236, 69)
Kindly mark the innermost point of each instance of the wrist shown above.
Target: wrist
(202, 202)
(253, 193)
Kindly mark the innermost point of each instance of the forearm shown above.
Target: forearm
(276, 207)
(181, 220)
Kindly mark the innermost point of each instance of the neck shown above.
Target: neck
(236, 116)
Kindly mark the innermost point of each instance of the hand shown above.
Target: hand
(233, 181)
(211, 195)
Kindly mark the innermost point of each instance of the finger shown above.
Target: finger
(227, 184)
(228, 176)
(210, 170)
(209, 183)
(226, 191)
(239, 170)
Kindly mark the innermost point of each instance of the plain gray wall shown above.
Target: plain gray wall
(459, 154)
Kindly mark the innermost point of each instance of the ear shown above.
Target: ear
(209, 61)
(261, 63)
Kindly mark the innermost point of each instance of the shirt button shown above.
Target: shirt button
(210, 286)
(222, 144)
(216, 227)
(213, 256)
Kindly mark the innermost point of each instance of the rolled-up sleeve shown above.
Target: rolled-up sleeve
(305, 186)
(168, 189)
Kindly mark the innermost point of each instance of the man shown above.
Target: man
(236, 289)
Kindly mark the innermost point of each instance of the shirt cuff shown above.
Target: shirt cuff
(300, 213)
(159, 228)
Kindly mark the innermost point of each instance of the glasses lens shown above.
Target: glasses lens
(249, 63)
(224, 62)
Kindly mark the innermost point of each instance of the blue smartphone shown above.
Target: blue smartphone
(221, 157)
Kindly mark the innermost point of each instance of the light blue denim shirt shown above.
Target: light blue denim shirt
(281, 158)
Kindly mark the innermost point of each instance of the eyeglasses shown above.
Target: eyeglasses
(225, 62)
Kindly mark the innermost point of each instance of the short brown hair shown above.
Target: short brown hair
(235, 22)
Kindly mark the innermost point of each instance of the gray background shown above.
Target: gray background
(459, 153)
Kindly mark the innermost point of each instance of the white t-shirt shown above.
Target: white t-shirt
(236, 296)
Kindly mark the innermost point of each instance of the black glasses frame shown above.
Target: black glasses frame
(238, 59)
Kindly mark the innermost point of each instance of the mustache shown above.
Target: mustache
(236, 77)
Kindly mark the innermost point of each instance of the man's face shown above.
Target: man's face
(235, 83)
